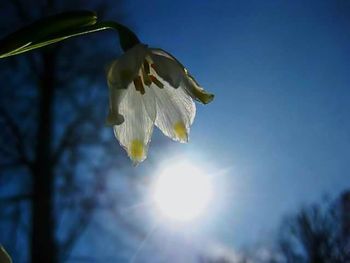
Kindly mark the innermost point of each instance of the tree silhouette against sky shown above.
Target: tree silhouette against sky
(55, 154)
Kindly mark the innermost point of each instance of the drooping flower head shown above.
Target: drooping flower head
(148, 87)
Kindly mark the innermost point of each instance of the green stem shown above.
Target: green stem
(127, 38)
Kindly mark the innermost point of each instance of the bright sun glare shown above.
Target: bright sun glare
(182, 191)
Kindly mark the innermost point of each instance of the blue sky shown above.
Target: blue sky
(277, 135)
(280, 119)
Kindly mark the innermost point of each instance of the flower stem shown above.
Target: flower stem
(128, 38)
(40, 34)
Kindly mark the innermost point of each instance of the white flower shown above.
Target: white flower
(149, 86)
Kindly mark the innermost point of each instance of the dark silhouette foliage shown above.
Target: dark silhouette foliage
(55, 151)
(316, 233)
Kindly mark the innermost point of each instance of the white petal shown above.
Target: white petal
(115, 97)
(135, 132)
(168, 69)
(178, 74)
(123, 70)
(161, 52)
(175, 111)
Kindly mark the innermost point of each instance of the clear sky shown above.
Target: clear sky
(280, 120)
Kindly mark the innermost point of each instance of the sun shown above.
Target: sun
(182, 192)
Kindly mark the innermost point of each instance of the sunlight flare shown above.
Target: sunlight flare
(182, 192)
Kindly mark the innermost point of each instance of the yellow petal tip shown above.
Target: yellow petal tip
(180, 131)
(137, 151)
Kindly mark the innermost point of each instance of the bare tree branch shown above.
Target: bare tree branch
(67, 137)
(16, 198)
(78, 229)
(16, 132)
(13, 164)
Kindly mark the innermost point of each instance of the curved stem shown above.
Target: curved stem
(128, 39)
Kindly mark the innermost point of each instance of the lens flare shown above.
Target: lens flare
(182, 191)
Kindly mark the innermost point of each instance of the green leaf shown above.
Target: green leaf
(4, 257)
(46, 31)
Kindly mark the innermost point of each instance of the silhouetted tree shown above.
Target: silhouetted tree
(55, 152)
(318, 233)
(315, 235)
